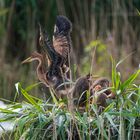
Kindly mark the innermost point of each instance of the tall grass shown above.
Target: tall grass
(36, 119)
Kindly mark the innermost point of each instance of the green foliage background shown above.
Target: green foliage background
(100, 28)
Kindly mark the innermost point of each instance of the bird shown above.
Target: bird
(41, 72)
(61, 37)
(57, 54)
(80, 88)
(94, 86)
(59, 48)
(98, 99)
(99, 92)
(102, 83)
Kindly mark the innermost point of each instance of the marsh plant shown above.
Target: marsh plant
(39, 119)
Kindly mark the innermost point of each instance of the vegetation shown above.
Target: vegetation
(100, 28)
(39, 119)
(114, 23)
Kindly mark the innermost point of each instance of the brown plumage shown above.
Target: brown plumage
(41, 72)
(81, 87)
(86, 83)
(98, 99)
(101, 84)
(97, 86)
(57, 53)
(61, 37)
(59, 49)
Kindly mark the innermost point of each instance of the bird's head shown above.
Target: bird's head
(100, 84)
(62, 25)
(103, 82)
(34, 56)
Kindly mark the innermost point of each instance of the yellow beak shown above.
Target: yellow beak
(29, 59)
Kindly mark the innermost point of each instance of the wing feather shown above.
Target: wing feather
(61, 37)
(62, 46)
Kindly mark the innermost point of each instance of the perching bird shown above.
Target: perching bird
(41, 72)
(99, 85)
(58, 50)
(96, 98)
(81, 87)
(57, 53)
(86, 83)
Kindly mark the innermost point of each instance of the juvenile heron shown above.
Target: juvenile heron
(102, 84)
(81, 87)
(86, 83)
(58, 50)
(41, 72)
(57, 53)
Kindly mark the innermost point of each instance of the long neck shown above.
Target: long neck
(40, 69)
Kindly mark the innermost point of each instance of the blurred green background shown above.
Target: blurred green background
(100, 28)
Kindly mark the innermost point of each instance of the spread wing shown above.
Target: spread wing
(47, 46)
(61, 37)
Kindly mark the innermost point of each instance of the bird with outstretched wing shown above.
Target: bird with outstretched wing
(61, 38)
(58, 49)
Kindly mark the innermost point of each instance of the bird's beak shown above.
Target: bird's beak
(29, 59)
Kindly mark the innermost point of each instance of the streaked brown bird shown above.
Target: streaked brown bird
(41, 72)
(59, 49)
(102, 84)
(99, 92)
(98, 99)
(87, 83)
(81, 87)
(57, 54)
